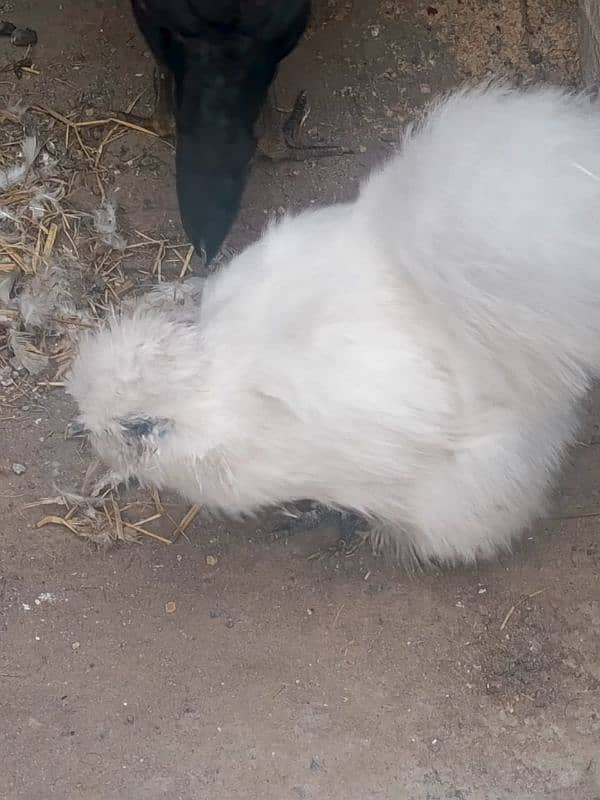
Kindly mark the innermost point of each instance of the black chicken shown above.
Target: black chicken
(216, 61)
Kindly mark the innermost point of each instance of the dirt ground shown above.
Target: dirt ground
(239, 664)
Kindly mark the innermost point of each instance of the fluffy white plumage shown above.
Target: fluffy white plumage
(418, 355)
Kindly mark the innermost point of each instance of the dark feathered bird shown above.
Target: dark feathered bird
(216, 62)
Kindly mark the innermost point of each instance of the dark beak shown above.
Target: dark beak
(212, 168)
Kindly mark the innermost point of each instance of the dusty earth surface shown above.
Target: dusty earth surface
(235, 663)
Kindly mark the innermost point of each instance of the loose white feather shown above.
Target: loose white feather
(17, 173)
(418, 355)
(105, 225)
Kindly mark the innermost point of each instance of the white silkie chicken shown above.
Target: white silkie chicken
(418, 356)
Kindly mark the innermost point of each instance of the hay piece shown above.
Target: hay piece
(50, 241)
(119, 533)
(186, 262)
(185, 522)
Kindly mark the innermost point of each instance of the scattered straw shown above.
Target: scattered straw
(101, 520)
(45, 158)
(64, 260)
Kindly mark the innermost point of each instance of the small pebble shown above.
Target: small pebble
(23, 37)
(171, 607)
(75, 646)
(18, 469)
(211, 561)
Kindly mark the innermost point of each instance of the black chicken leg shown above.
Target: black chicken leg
(283, 142)
(162, 120)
